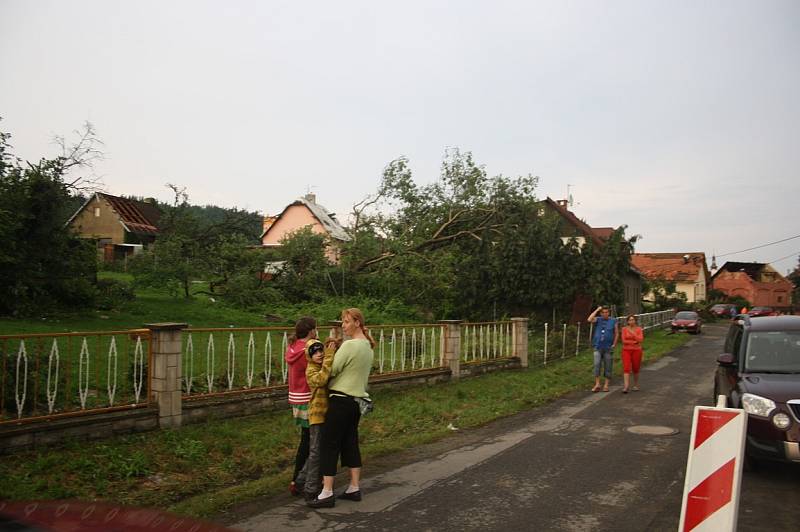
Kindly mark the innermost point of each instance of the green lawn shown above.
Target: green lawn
(150, 306)
(153, 306)
(201, 470)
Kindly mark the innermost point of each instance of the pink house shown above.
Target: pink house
(305, 212)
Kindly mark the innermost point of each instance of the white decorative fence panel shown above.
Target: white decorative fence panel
(406, 347)
(51, 375)
(486, 340)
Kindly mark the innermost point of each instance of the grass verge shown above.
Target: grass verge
(201, 310)
(201, 470)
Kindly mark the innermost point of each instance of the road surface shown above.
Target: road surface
(588, 461)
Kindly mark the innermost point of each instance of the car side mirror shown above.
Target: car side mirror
(726, 359)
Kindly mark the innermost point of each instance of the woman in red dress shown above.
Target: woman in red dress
(632, 338)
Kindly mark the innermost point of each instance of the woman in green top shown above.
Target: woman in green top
(349, 373)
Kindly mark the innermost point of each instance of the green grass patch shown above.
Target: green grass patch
(150, 306)
(201, 310)
(201, 470)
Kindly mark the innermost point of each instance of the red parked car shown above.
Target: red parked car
(757, 312)
(724, 310)
(687, 320)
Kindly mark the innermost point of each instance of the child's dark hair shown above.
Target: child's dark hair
(304, 325)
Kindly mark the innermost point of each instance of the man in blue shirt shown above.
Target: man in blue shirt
(604, 340)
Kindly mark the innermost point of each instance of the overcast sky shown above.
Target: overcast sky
(678, 119)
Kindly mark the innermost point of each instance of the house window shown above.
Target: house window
(97, 212)
(780, 299)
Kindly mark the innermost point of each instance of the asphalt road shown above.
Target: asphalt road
(580, 463)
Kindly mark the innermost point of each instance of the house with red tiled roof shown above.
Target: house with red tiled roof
(688, 271)
(120, 226)
(758, 283)
(573, 228)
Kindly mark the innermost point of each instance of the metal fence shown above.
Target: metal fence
(51, 375)
(549, 343)
(225, 360)
(652, 320)
(54, 375)
(486, 340)
(407, 347)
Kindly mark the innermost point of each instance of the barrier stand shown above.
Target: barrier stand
(714, 469)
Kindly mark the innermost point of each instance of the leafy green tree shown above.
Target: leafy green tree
(43, 267)
(608, 267)
(192, 248)
(470, 245)
(665, 294)
(171, 264)
(304, 271)
(456, 247)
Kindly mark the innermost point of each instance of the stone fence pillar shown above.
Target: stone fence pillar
(165, 374)
(520, 340)
(451, 347)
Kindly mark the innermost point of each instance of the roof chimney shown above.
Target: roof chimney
(562, 203)
(311, 198)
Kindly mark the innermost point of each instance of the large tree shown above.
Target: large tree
(43, 267)
(469, 245)
(414, 241)
(193, 246)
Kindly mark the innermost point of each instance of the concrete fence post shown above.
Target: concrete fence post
(165, 374)
(451, 347)
(520, 339)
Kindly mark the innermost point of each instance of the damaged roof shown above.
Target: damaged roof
(136, 216)
(670, 266)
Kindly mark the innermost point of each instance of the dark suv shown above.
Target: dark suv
(760, 373)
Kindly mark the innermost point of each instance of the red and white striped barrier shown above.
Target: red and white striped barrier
(714, 469)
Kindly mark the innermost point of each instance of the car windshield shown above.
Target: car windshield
(686, 315)
(773, 352)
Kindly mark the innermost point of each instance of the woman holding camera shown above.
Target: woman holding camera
(347, 385)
